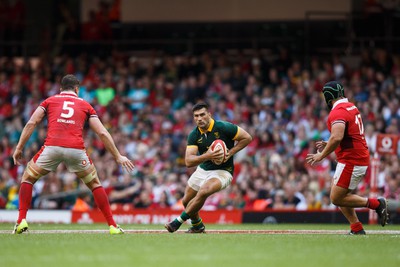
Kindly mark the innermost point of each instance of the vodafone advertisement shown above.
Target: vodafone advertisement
(387, 143)
(155, 216)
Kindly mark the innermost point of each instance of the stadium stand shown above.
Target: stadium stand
(144, 98)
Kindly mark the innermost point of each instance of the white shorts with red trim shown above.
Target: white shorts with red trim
(348, 175)
(200, 176)
(49, 157)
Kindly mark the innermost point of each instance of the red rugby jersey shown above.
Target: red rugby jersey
(353, 148)
(66, 115)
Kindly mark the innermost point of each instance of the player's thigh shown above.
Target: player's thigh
(89, 177)
(338, 193)
(197, 179)
(210, 187)
(76, 160)
(33, 172)
(216, 181)
(48, 158)
(224, 177)
(348, 176)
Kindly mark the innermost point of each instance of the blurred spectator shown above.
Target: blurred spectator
(138, 95)
(104, 94)
(82, 203)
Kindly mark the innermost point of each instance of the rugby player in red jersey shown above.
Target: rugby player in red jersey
(348, 141)
(66, 114)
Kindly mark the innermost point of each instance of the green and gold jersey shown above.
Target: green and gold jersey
(223, 130)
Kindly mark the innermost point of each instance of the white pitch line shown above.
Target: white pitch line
(267, 232)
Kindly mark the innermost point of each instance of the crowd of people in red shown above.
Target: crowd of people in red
(145, 102)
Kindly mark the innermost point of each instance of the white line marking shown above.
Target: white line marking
(267, 232)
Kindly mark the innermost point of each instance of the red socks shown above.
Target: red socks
(355, 227)
(372, 203)
(25, 199)
(99, 194)
(101, 199)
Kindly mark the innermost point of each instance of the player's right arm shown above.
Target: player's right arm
(337, 134)
(30, 126)
(96, 125)
(193, 159)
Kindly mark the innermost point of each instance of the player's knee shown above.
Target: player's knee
(208, 189)
(204, 193)
(29, 179)
(32, 173)
(336, 200)
(185, 202)
(89, 176)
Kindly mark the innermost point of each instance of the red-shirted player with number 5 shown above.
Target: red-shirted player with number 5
(66, 114)
(348, 141)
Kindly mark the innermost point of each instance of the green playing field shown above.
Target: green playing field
(244, 245)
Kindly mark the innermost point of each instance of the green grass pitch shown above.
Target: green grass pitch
(243, 245)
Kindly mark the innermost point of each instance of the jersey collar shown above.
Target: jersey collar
(340, 101)
(209, 127)
(68, 93)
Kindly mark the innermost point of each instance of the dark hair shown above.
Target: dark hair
(69, 82)
(199, 106)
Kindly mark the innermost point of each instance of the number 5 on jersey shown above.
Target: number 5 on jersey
(69, 110)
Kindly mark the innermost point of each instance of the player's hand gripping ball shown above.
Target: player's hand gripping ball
(216, 145)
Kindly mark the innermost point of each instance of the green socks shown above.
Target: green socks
(197, 223)
(184, 216)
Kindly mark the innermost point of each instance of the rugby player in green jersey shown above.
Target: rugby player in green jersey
(208, 178)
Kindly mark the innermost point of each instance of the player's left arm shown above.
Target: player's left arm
(337, 134)
(242, 139)
(30, 126)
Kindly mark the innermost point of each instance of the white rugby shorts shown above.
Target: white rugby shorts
(200, 176)
(348, 175)
(49, 157)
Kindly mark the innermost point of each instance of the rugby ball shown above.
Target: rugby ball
(216, 145)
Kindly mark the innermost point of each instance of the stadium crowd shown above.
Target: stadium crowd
(145, 102)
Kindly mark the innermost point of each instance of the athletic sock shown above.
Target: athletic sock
(181, 219)
(25, 199)
(355, 227)
(101, 199)
(197, 223)
(373, 203)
